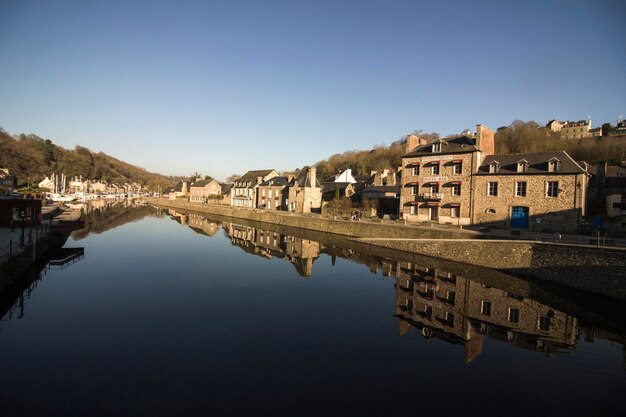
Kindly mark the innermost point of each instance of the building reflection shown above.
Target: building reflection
(268, 244)
(461, 310)
(438, 304)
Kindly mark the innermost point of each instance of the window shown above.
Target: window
(436, 169)
(458, 169)
(493, 167)
(492, 189)
(451, 296)
(436, 147)
(553, 189)
(514, 315)
(521, 166)
(544, 323)
(414, 190)
(263, 193)
(434, 189)
(456, 189)
(455, 212)
(416, 170)
(520, 189)
(485, 307)
(450, 318)
(412, 210)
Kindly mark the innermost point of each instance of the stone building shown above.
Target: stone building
(580, 129)
(436, 176)
(244, 191)
(181, 190)
(541, 191)
(304, 192)
(382, 197)
(204, 190)
(273, 193)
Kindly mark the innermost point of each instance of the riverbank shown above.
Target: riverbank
(598, 270)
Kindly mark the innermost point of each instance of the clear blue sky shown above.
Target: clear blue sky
(223, 87)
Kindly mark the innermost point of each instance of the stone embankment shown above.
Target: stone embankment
(597, 270)
(324, 224)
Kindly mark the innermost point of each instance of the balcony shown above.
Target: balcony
(432, 196)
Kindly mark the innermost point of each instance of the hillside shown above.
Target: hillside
(519, 137)
(31, 157)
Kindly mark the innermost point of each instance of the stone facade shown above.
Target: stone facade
(305, 192)
(273, 194)
(522, 191)
(436, 177)
(202, 191)
(244, 191)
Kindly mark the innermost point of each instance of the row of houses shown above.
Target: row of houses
(455, 180)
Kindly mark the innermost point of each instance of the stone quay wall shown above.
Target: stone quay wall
(597, 270)
(322, 224)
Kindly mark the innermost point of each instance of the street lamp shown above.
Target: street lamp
(23, 219)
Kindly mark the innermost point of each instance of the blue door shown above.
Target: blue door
(519, 217)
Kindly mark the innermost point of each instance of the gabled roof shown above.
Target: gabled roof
(329, 187)
(304, 179)
(202, 183)
(461, 144)
(253, 175)
(537, 163)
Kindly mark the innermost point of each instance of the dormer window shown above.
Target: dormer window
(522, 165)
(553, 165)
(494, 167)
(436, 147)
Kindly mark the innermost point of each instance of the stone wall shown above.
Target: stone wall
(597, 270)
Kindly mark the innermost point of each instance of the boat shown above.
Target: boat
(63, 198)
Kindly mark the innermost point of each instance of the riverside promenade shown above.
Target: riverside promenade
(568, 260)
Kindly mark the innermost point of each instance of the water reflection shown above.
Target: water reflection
(437, 301)
(13, 298)
(460, 310)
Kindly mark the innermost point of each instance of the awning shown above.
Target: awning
(412, 184)
(432, 182)
(433, 203)
(455, 182)
(454, 204)
(432, 162)
(413, 164)
(411, 203)
(457, 161)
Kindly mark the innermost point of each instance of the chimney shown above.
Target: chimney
(485, 139)
(313, 176)
(259, 180)
(413, 142)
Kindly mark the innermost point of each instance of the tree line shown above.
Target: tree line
(518, 137)
(31, 158)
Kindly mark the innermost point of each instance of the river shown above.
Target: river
(162, 313)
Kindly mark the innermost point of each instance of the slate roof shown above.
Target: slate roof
(276, 181)
(329, 187)
(253, 175)
(201, 183)
(304, 179)
(537, 163)
(461, 144)
(382, 189)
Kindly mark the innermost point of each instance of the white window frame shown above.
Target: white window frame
(489, 190)
(458, 169)
(555, 191)
(521, 188)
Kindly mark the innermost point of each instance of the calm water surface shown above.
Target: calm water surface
(170, 314)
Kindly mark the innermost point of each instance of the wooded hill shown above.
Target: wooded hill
(519, 137)
(31, 157)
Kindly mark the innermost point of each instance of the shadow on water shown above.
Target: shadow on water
(451, 301)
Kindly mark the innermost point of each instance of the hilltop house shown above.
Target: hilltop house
(7, 180)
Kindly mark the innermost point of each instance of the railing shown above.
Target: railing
(432, 196)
